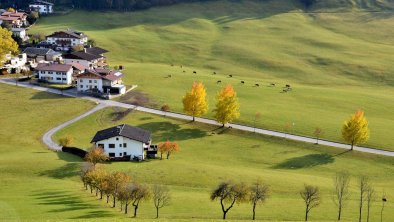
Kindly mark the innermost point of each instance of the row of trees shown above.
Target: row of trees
(229, 193)
(195, 103)
(119, 186)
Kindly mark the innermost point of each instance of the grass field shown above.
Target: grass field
(206, 159)
(335, 62)
(37, 184)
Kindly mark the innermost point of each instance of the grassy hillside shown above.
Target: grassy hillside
(336, 62)
(37, 184)
(206, 158)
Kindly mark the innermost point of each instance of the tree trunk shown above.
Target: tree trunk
(126, 208)
(339, 213)
(135, 210)
(91, 188)
(368, 213)
(168, 155)
(361, 207)
(194, 118)
(157, 212)
(114, 201)
(121, 206)
(101, 195)
(107, 198)
(161, 155)
(351, 148)
(224, 214)
(306, 214)
(96, 192)
(254, 211)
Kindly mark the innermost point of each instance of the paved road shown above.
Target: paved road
(47, 138)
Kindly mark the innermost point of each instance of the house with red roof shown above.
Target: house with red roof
(101, 81)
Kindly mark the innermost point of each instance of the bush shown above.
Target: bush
(66, 141)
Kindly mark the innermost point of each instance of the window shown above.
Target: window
(120, 154)
(111, 145)
(124, 145)
(124, 153)
(81, 86)
(58, 78)
(81, 80)
(111, 154)
(95, 81)
(90, 81)
(64, 78)
(120, 145)
(100, 145)
(117, 138)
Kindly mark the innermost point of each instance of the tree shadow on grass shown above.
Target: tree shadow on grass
(64, 201)
(69, 169)
(169, 131)
(307, 161)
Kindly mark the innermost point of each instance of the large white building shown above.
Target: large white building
(43, 7)
(101, 81)
(65, 40)
(124, 141)
(55, 73)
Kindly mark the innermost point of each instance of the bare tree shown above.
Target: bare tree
(258, 193)
(341, 192)
(370, 199)
(161, 197)
(311, 197)
(384, 200)
(318, 133)
(363, 186)
(230, 193)
(138, 192)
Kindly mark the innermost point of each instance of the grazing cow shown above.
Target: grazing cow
(257, 84)
(184, 71)
(219, 81)
(194, 72)
(230, 76)
(287, 86)
(273, 84)
(214, 73)
(243, 82)
(169, 76)
(285, 90)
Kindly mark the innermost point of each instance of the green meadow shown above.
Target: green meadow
(209, 155)
(336, 63)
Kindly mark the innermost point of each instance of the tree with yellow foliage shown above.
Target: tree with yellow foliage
(11, 10)
(227, 105)
(7, 44)
(195, 102)
(355, 130)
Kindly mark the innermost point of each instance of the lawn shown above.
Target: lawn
(336, 63)
(37, 184)
(209, 155)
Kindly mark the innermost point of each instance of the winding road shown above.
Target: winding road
(47, 138)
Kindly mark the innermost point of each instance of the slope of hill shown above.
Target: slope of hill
(336, 62)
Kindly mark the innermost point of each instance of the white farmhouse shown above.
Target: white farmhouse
(65, 40)
(123, 141)
(55, 73)
(43, 7)
(20, 32)
(101, 81)
(15, 64)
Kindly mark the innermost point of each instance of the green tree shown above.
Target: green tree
(355, 130)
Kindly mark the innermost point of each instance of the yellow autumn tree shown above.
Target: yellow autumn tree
(7, 44)
(195, 102)
(227, 105)
(355, 130)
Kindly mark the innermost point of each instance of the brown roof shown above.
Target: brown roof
(14, 14)
(68, 34)
(78, 66)
(54, 67)
(103, 73)
(8, 18)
